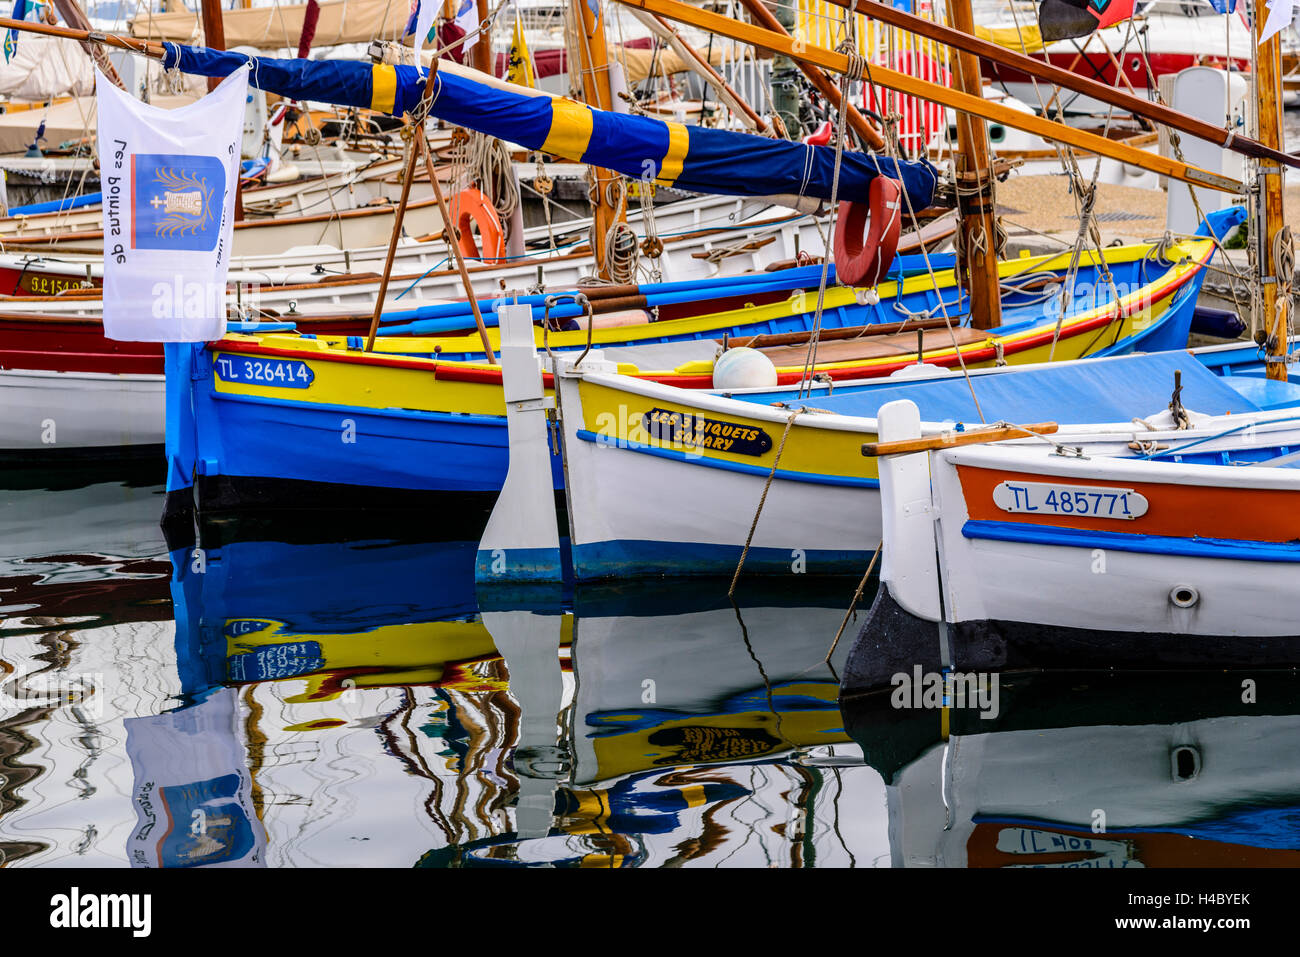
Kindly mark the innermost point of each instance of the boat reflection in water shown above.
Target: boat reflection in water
(682, 730)
(337, 696)
(84, 639)
(618, 727)
(1093, 770)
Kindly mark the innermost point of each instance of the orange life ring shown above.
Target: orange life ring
(863, 261)
(475, 209)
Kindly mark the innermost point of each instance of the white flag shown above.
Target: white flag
(467, 20)
(193, 791)
(1280, 13)
(423, 23)
(169, 179)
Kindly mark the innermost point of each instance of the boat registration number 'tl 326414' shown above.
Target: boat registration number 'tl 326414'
(285, 373)
(1089, 501)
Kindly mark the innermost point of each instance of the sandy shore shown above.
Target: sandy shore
(1043, 204)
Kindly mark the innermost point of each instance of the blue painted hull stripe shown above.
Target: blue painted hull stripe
(678, 456)
(625, 558)
(456, 418)
(1230, 549)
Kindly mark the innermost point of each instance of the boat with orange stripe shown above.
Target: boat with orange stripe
(1114, 547)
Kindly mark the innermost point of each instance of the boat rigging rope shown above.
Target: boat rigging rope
(856, 66)
(929, 268)
(749, 539)
(652, 246)
(1085, 203)
(542, 186)
(1176, 146)
(1284, 273)
(857, 596)
(489, 163)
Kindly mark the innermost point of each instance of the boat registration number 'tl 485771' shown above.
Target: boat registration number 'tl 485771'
(1049, 498)
(285, 373)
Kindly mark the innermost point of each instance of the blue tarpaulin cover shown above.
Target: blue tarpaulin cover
(670, 154)
(1103, 390)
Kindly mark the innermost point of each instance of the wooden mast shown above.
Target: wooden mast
(593, 62)
(481, 52)
(214, 35)
(1275, 307)
(977, 265)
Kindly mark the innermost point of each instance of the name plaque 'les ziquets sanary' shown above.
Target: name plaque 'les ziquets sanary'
(169, 180)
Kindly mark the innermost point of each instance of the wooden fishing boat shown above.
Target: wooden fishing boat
(266, 409)
(700, 233)
(631, 446)
(727, 239)
(115, 389)
(308, 195)
(1114, 548)
(347, 228)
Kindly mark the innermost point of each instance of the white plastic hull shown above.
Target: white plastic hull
(65, 411)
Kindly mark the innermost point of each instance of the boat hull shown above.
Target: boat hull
(260, 449)
(433, 400)
(1105, 559)
(62, 412)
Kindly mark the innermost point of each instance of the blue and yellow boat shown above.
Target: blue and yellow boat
(277, 417)
(268, 416)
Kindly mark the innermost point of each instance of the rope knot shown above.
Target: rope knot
(857, 65)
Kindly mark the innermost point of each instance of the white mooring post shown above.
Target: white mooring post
(521, 542)
(908, 564)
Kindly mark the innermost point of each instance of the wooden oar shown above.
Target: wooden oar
(965, 102)
(947, 440)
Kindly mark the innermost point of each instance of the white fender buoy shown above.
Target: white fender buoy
(743, 368)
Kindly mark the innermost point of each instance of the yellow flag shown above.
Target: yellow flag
(520, 67)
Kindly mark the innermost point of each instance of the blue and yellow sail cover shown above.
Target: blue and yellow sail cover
(670, 154)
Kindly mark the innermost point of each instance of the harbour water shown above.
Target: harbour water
(334, 692)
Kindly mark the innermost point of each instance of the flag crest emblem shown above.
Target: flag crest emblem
(177, 199)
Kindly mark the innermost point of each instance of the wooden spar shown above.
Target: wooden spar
(147, 48)
(214, 34)
(857, 122)
(454, 246)
(902, 83)
(947, 440)
(1275, 306)
(420, 146)
(1140, 106)
(977, 266)
(481, 53)
(71, 11)
(593, 62)
(416, 129)
(702, 68)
